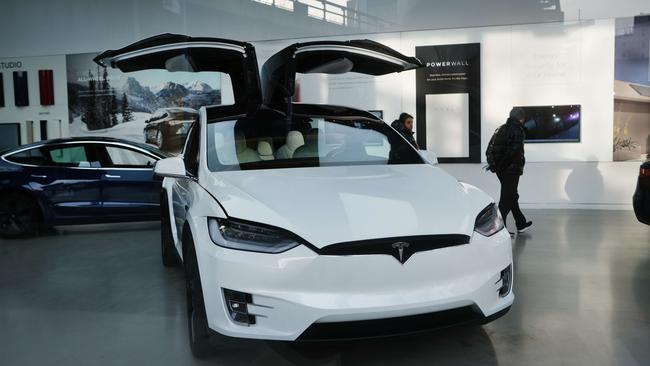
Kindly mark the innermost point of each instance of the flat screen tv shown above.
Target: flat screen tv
(552, 123)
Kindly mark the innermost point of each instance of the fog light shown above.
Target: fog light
(506, 281)
(237, 305)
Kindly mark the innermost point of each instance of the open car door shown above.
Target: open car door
(327, 57)
(175, 52)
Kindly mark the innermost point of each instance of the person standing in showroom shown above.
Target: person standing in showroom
(505, 156)
(404, 125)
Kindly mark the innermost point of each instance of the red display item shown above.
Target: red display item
(46, 86)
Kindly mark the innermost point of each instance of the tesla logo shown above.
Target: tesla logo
(400, 246)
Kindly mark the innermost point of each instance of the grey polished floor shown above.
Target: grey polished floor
(99, 296)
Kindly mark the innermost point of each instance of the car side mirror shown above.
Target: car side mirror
(173, 167)
(429, 156)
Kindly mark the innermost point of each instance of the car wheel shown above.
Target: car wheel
(200, 334)
(19, 215)
(167, 249)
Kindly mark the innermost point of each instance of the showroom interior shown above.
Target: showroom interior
(82, 282)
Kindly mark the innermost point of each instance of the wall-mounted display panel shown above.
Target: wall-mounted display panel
(552, 123)
(447, 124)
(9, 135)
(21, 91)
(448, 101)
(108, 102)
(46, 86)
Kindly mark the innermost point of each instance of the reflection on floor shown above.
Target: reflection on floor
(99, 296)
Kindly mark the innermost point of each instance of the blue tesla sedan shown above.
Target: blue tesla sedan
(77, 181)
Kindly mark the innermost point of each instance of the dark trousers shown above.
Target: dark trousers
(509, 200)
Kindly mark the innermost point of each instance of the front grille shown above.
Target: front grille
(392, 326)
(391, 246)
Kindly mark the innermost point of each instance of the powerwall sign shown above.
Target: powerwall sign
(448, 101)
(9, 65)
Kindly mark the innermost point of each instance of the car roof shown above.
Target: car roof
(215, 113)
(144, 146)
(331, 110)
(177, 109)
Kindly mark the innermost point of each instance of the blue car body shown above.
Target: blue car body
(83, 180)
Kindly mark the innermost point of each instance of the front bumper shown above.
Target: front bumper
(298, 291)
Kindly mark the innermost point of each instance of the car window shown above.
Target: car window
(256, 143)
(71, 156)
(33, 156)
(126, 158)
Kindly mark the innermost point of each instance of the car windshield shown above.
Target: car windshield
(259, 143)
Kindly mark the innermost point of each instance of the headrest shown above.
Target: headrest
(294, 140)
(265, 150)
(311, 136)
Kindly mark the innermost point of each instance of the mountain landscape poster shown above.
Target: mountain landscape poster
(108, 102)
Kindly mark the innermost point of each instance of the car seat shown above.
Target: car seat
(294, 141)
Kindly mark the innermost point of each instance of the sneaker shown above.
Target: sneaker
(525, 227)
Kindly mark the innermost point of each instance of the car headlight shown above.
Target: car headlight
(489, 221)
(252, 237)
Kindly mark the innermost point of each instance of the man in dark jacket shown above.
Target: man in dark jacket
(508, 150)
(404, 125)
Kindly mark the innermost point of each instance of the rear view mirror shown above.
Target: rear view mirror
(173, 167)
(429, 156)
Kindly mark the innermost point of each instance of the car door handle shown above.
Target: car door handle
(112, 176)
(38, 176)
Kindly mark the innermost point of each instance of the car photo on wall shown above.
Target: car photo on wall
(167, 128)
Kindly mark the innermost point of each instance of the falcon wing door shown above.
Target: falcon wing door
(327, 57)
(175, 52)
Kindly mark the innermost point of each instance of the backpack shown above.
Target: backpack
(489, 152)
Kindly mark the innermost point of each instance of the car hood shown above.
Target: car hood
(328, 205)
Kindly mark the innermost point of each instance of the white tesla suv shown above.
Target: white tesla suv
(302, 221)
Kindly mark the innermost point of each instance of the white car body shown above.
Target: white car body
(310, 286)
(297, 288)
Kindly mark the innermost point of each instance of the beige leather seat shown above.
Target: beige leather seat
(244, 153)
(265, 150)
(294, 141)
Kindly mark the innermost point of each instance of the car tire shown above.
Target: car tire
(200, 335)
(167, 248)
(20, 215)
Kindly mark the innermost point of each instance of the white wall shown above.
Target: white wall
(521, 65)
(35, 111)
(542, 64)
(545, 64)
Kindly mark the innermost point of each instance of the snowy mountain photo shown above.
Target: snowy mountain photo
(101, 99)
